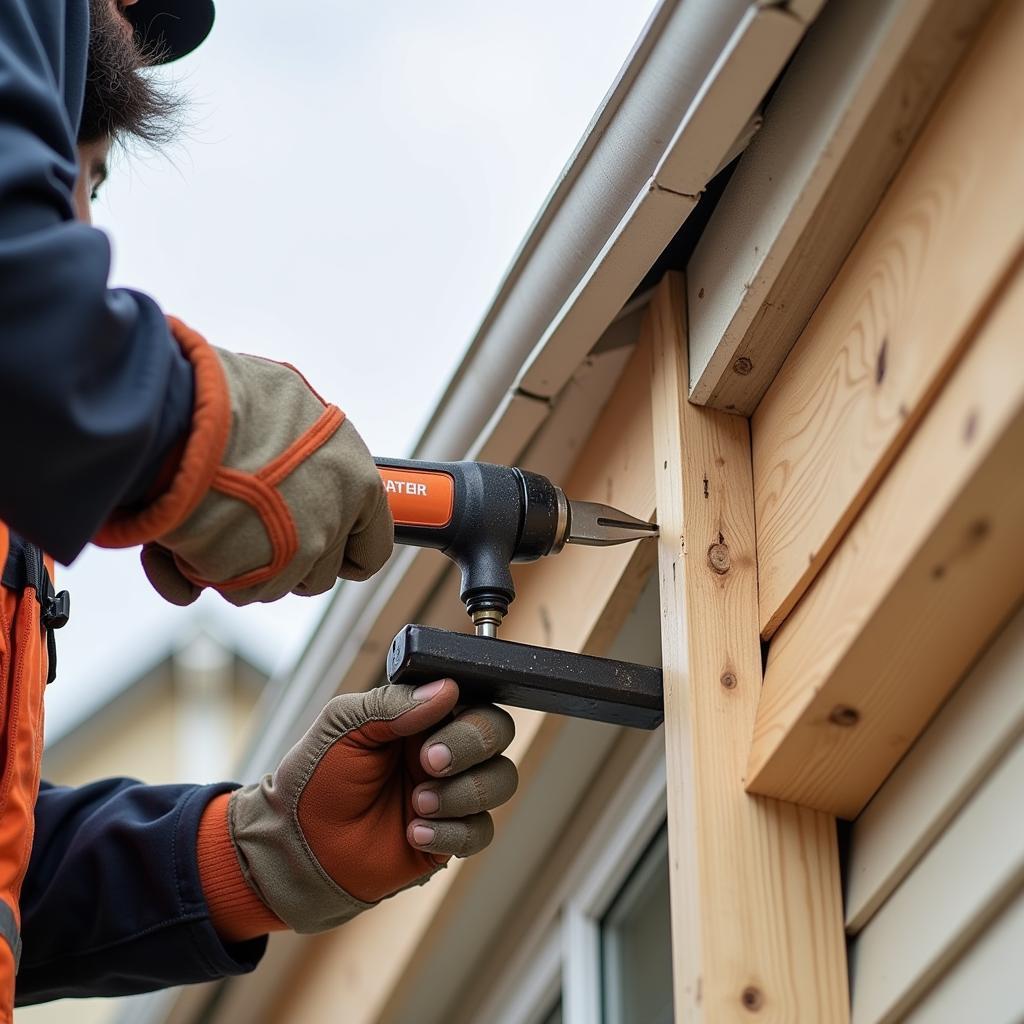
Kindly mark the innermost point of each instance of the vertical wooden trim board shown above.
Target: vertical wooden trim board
(757, 929)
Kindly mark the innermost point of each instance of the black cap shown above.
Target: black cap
(173, 27)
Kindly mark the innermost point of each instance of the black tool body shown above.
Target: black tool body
(482, 516)
(524, 676)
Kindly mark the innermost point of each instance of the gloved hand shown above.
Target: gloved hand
(375, 798)
(275, 492)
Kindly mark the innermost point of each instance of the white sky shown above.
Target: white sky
(356, 180)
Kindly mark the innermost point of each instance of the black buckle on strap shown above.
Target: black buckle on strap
(25, 568)
(57, 605)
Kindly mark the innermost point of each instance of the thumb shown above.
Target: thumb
(378, 717)
(430, 703)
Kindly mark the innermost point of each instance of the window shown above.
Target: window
(636, 948)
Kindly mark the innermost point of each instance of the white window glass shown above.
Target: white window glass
(636, 944)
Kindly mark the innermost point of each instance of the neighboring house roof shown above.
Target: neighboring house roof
(138, 663)
(121, 703)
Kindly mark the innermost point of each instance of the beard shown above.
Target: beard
(121, 100)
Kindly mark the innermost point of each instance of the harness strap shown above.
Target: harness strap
(26, 567)
(9, 931)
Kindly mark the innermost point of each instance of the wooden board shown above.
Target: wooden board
(835, 132)
(576, 601)
(972, 732)
(756, 906)
(894, 322)
(932, 567)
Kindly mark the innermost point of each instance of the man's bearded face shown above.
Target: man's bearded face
(120, 99)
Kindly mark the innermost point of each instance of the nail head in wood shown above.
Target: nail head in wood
(718, 558)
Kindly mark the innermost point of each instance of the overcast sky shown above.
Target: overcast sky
(355, 179)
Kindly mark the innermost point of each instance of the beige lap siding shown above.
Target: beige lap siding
(935, 875)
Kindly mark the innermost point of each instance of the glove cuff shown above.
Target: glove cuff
(204, 451)
(236, 911)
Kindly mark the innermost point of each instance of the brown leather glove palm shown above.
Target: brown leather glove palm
(276, 493)
(373, 799)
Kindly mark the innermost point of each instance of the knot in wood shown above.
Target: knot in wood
(752, 999)
(728, 680)
(844, 716)
(742, 366)
(718, 558)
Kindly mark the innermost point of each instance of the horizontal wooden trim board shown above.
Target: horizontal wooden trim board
(921, 582)
(576, 601)
(894, 322)
(969, 875)
(974, 729)
(756, 904)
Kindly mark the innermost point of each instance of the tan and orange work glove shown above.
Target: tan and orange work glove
(375, 798)
(275, 492)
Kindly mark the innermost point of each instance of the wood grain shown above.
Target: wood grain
(894, 322)
(577, 600)
(932, 567)
(756, 907)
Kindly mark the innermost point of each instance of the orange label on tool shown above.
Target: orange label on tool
(417, 498)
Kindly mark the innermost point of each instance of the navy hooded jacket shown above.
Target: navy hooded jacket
(91, 383)
(93, 394)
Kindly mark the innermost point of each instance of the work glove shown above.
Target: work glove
(275, 492)
(375, 798)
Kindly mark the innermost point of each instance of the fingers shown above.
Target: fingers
(368, 549)
(162, 573)
(460, 838)
(480, 789)
(475, 736)
(371, 536)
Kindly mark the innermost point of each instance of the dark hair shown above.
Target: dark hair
(121, 99)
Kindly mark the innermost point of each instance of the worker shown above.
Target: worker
(123, 428)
